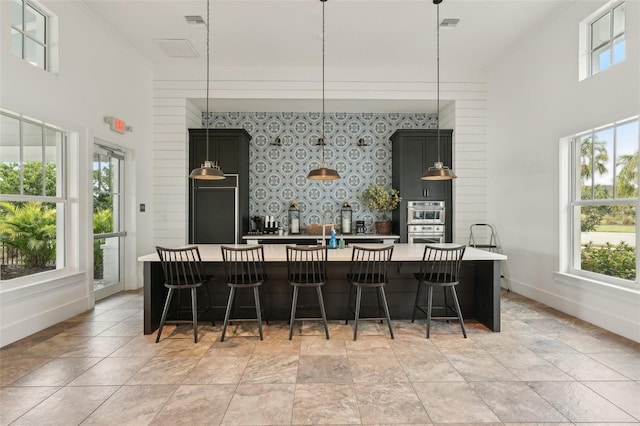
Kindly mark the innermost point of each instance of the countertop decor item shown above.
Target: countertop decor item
(438, 171)
(294, 217)
(323, 172)
(346, 216)
(209, 170)
(382, 201)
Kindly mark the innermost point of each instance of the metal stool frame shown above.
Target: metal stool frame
(440, 267)
(369, 268)
(307, 268)
(244, 268)
(183, 270)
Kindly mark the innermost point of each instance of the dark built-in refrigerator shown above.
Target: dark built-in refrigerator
(215, 218)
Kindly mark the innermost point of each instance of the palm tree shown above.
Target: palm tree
(627, 179)
(594, 157)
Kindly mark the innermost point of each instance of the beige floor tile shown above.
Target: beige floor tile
(184, 348)
(318, 345)
(627, 364)
(515, 401)
(125, 328)
(623, 394)
(271, 369)
(213, 369)
(163, 371)
(582, 367)
(325, 403)
(55, 346)
(57, 372)
(429, 368)
(196, 405)
(578, 403)
(401, 404)
(417, 345)
(97, 347)
(368, 345)
(15, 401)
(376, 369)
(132, 405)
(324, 369)
(110, 371)
(68, 406)
(88, 328)
(278, 346)
(11, 369)
(241, 346)
(480, 368)
(260, 404)
(140, 346)
(445, 403)
(116, 314)
(531, 367)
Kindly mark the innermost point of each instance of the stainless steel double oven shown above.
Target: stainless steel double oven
(426, 221)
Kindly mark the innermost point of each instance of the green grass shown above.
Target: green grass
(616, 228)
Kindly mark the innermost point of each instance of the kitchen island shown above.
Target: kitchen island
(478, 291)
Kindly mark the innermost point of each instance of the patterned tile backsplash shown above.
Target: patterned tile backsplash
(278, 174)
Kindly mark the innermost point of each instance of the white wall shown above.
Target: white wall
(98, 75)
(534, 100)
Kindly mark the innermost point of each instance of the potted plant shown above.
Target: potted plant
(382, 201)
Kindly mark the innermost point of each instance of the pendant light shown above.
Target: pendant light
(209, 170)
(323, 172)
(438, 171)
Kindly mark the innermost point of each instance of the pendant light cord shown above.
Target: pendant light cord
(438, 76)
(207, 117)
(323, 141)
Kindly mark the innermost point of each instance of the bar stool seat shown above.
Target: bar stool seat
(183, 270)
(307, 268)
(440, 267)
(244, 269)
(369, 269)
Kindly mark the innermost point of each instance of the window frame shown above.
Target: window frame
(61, 199)
(24, 35)
(570, 250)
(611, 42)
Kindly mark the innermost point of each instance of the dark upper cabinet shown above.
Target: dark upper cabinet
(217, 207)
(414, 151)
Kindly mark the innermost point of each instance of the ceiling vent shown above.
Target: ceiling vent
(177, 48)
(449, 23)
(194, 20)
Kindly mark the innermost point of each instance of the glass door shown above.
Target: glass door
(108, 223)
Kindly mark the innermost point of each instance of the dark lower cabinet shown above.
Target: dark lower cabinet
(219, 210)
(414, 151)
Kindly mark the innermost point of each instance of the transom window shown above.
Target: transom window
(607, 39)
(29, 28)
(604, 201)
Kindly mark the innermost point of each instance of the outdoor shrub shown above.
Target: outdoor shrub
(30, 228)
(102, 223)
(615, 261)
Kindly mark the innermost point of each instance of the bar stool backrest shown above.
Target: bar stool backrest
(370, 265)
(181, 266)
(441, 265)
(307, 264)
(244, 265)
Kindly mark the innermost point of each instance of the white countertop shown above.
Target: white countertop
(317, 237)
(276, 252)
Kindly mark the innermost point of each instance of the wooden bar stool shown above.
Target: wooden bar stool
(369, 268)
(440, 267)
(244, 269)
(307, 268)
(183, 270)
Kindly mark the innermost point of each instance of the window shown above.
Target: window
(607, 39)
(32, 196)
(29, 33)
(604, 201)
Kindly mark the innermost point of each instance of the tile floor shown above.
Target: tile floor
(98, 368)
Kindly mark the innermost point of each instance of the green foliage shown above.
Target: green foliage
(31, 229)
(380, 199)
(32, 183)
(615, 261)
(102, 223)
